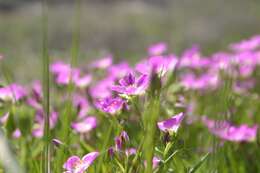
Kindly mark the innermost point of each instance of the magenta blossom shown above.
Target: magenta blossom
(121, 140)
(81, 104)
(102, 63)
(110, 105)
(157, 49)
(102, 89)
(82, 82)
(64, 73)
(245, 45)
(38, 128)
(157, 64)
(130, 151)
(12, 92)
(85, 125)
(129, 85)
(205, 81)
(171, 125)
(226, 131)
(76, 165)
(156, 160)
(119, 70)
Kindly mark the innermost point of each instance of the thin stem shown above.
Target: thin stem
(46, 88)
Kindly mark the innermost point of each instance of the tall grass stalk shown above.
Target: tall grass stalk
(46, 88)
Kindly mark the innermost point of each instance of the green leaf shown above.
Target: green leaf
(10, 124)
(198, 165)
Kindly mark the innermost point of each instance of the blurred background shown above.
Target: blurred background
(123, 28)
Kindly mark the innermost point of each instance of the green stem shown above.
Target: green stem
(104, 146)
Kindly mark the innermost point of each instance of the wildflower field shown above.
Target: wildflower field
(167, 113)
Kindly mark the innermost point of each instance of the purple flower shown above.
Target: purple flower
(110, 105)
(171, 125)
(129, 85)
(119, 70)
(102, 63)
(81, 104)
(17, 134)
(38, 129)
(157, 49)
(226, 131)
(245, 45)
(63, 73)
(130, 151)
(156, 160)
(4, 118)
(102, 88)
(12, 92)
(76, 165)
(82, 82)
(205, 81)
(193, 59)
(85, 125)
(158, 64)
(121, 140)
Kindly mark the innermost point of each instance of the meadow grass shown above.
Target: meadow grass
(128, 118)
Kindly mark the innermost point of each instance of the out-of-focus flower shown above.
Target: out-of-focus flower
(17, 134)
(130, 151)
(121, 140)
(156, 160)
(102, 89)
(102, 63)
(192, 58)
(85, 125)
(82, 82)
(129, 85)
(157, 64)
(110, 105)
(38, 129)
(64, 73)
(81, 104)
(205, 81)
(12, 92)
(226, 131)
(118, 71)
(245, 45)
(37, 95)
(157, 49)
(171, 125)
(4, 118)
(57, 142)
(76, 165)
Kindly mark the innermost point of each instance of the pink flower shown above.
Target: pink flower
(156, 160)
(121, 140)
(82, 82)
(102, 88)
(158, 64)
(129, 85)
(85, 125)
(110, 105)
(171, 125)
(76, 165)
(13, 92)
(249, 44)
(119, 70)
(81, 104)
(226, 131)
(102, 63)
(130, 151)
(205, 81)
(157, 49)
